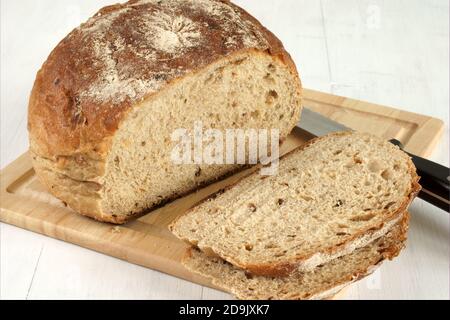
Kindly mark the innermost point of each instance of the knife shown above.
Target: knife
(435, 178)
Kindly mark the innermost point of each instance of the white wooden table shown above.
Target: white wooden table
(388, 52)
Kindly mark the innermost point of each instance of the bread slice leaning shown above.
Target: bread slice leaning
(330, 197)
(323, 282)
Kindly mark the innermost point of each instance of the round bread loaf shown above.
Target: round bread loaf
(109, 96)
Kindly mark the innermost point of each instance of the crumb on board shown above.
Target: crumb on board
(116, 230)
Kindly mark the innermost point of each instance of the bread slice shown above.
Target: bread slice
(323, 282)
(335, 194)
(109, 97)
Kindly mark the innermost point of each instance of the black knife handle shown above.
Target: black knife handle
(434, 181)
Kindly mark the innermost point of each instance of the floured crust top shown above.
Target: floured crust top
(125, 53)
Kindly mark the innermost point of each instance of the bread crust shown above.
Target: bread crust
(72, 129)
(286, 268)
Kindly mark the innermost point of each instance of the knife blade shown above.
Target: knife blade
(435, 178)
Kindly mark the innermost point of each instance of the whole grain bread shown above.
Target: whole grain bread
(109, 96)
(321, 283)
(333, 195)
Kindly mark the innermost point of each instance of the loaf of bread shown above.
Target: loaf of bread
(333, 195)
(109, 96)
(321, 283)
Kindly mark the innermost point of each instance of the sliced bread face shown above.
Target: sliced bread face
(330, 197)
(322, 283)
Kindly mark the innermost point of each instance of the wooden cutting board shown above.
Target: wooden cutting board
(146, 241)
